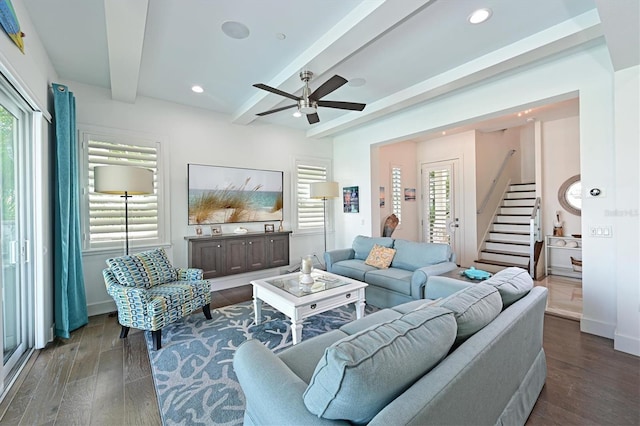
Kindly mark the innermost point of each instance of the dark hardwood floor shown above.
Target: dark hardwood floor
(99, 379)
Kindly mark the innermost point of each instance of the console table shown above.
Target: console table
(228, 254)
(558, 253)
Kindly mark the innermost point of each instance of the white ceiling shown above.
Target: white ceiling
(407, 51)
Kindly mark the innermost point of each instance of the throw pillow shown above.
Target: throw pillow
(145, 269)
(362, 373)
(474, 307)
(380, 257)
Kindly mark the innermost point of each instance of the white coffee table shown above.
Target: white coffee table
(298, 302)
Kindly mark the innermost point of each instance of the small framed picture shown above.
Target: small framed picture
(216, 230)
(269, 227)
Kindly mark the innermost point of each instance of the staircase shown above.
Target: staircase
(508, 241)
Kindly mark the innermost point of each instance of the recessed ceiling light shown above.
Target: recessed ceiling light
(281, 36)
(357, 82)
(197, 89)
(479, 16)
(235, 29)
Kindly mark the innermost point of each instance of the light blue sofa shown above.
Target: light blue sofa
(407, 277)
(465, 360)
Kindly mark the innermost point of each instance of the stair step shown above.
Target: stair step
(510, 227)
(511, 195)
(494, 265)
(513, 218)
(501, 256)
(519, 202)
(522, 187)
(516, 237)
(511, 210)
(513, 248)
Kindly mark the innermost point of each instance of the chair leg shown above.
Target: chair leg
(156, 336)
(124, 332)
(206, 309)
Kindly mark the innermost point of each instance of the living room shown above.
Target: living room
(606, 90)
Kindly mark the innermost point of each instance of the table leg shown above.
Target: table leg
(296, 331)
(257, 308)
(360, 308)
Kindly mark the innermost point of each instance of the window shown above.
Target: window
(104, 218)
(309, 212)
(439, 208)
(396, 192)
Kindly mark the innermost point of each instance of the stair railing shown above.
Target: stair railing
(535, 235)
(495, 180)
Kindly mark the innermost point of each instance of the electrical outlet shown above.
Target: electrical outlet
(601, 231)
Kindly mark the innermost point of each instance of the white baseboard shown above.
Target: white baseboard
(100, 308)
(628, 344)
(598, 328)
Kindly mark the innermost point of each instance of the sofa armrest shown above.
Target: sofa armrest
(189, 274)
(272, 391)
(421, 276)
(439, 287)
(333, 256)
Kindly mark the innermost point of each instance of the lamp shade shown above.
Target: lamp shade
(123, 179)
(324, 190)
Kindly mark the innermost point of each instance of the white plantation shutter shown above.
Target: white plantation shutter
(439, 206)
(310, 214)
(396, 192)
(106, 213)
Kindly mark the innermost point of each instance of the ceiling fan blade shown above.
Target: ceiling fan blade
(276, 91)
(328, 86)
(313, 118)
(353, 106)
(271, 111)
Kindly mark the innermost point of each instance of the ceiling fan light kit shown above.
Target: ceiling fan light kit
(309, 102)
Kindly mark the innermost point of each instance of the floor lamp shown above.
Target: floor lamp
(324, 191)
(125, 181)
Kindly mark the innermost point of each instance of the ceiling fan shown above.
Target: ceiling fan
(309, 102)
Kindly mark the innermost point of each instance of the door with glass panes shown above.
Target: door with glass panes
(440, 222)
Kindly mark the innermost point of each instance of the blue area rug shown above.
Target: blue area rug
(193, 372)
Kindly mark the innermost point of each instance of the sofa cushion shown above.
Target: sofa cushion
(411, 255)
(145, 269)
(352, 268)
(380, 257)
(474, 307)
(383, 315)
(362, 245)
(512, 283)
(393, 279)
(360, 374)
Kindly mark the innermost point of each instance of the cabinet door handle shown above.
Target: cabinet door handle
(271, 240)
(250, 242)
(348, 295)
(313, 306)
(219, 246)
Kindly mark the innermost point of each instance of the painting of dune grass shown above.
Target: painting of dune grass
(233, 195)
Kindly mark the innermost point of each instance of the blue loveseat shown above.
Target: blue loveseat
(406, 278)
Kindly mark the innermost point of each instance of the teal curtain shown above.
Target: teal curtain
(70, 299)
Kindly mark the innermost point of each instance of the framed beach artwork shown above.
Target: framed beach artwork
(233, 195)
(350, 199)
(409, 194)
(382, 196)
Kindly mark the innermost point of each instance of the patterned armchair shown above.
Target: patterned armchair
(150, 293)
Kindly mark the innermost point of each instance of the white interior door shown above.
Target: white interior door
(441, 218)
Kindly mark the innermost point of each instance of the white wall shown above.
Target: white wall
(625, 216)
(401, 154)
(527, 154)
(192, 135)
(588, 73)
(560, 161)
(32, 73)
(491, 150)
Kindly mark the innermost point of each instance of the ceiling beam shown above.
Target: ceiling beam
(362, 25)
(569, 34)
(125, 23)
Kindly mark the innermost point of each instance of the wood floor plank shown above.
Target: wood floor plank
(108, 398)
(136, 358)
(75, 408)
(43, 407)
(111, 334)
(86, 362)
(141, 407)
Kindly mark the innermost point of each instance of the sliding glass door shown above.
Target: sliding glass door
(15, 266)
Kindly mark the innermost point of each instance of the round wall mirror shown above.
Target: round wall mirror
(570, 195)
